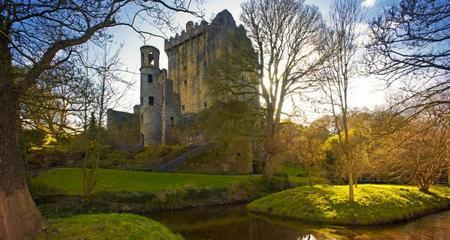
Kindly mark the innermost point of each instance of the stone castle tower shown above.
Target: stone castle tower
(189, 56)
(173, 97)
(159, 106)
(167, 97)
(170, 100)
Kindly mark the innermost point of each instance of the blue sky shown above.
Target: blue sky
(365, 91)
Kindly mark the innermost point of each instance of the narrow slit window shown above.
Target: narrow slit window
(151, 101)
(205, 104)
(150, 78)
(182, 107)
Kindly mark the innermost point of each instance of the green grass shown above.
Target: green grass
(68, 181)
(293, 171)
(106, 226)
(374, 204)
(303, 181)
(299, 176)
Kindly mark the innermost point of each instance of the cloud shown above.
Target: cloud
(368, 3)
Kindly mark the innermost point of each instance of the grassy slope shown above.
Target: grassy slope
(374, 204)
(69, 180)
(106, 226)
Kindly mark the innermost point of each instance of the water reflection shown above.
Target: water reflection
(225, 223)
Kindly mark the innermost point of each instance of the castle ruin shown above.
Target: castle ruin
(171, 98)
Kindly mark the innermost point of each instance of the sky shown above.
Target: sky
(365, 91)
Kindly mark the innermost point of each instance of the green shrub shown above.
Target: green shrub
(114, 158)
(154, 152)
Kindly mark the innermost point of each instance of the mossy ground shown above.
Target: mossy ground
(106, 226)
(374, 204)
(69, 181)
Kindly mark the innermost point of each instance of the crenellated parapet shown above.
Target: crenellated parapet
(192, 30)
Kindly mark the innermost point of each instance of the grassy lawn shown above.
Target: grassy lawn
(374, 204)
(299, 176)
(293, 171)
(106, 226)
(68, 181)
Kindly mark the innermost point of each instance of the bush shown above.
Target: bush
(114, 159)
(155, 152)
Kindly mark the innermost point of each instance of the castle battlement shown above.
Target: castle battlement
(222, 19)
(190, 32)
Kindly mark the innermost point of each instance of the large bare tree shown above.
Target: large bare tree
(339, 70)
(287, 37)
(410, 47)
(36, 36)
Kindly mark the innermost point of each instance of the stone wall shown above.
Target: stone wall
(189, 56)
(123, 129)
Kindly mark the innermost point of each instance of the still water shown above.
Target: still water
(234, 223)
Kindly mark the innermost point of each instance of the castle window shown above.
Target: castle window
(185, 82)
(172, 121)
(151, 58)
(149, 78)
(182, 107)
(205, 104)
(151, 101)
(142, 118)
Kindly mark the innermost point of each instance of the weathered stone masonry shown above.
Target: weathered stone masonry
(172, 98)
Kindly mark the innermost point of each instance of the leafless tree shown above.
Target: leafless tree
(36, 36)
(105, 71)
(339, 70)
(410, 47)
(286, 35)
(51, 104)
(418, 151)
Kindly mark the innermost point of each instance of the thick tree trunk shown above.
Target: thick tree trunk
(19, 216)
(269, 166)
(270, 145)
(351, 194)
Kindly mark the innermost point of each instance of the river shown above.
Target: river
(234, 223)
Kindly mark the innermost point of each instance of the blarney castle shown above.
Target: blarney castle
(171, 99)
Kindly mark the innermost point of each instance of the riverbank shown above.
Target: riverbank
(106, 226)
(58, 192)
(374, 204)
(235, 222)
